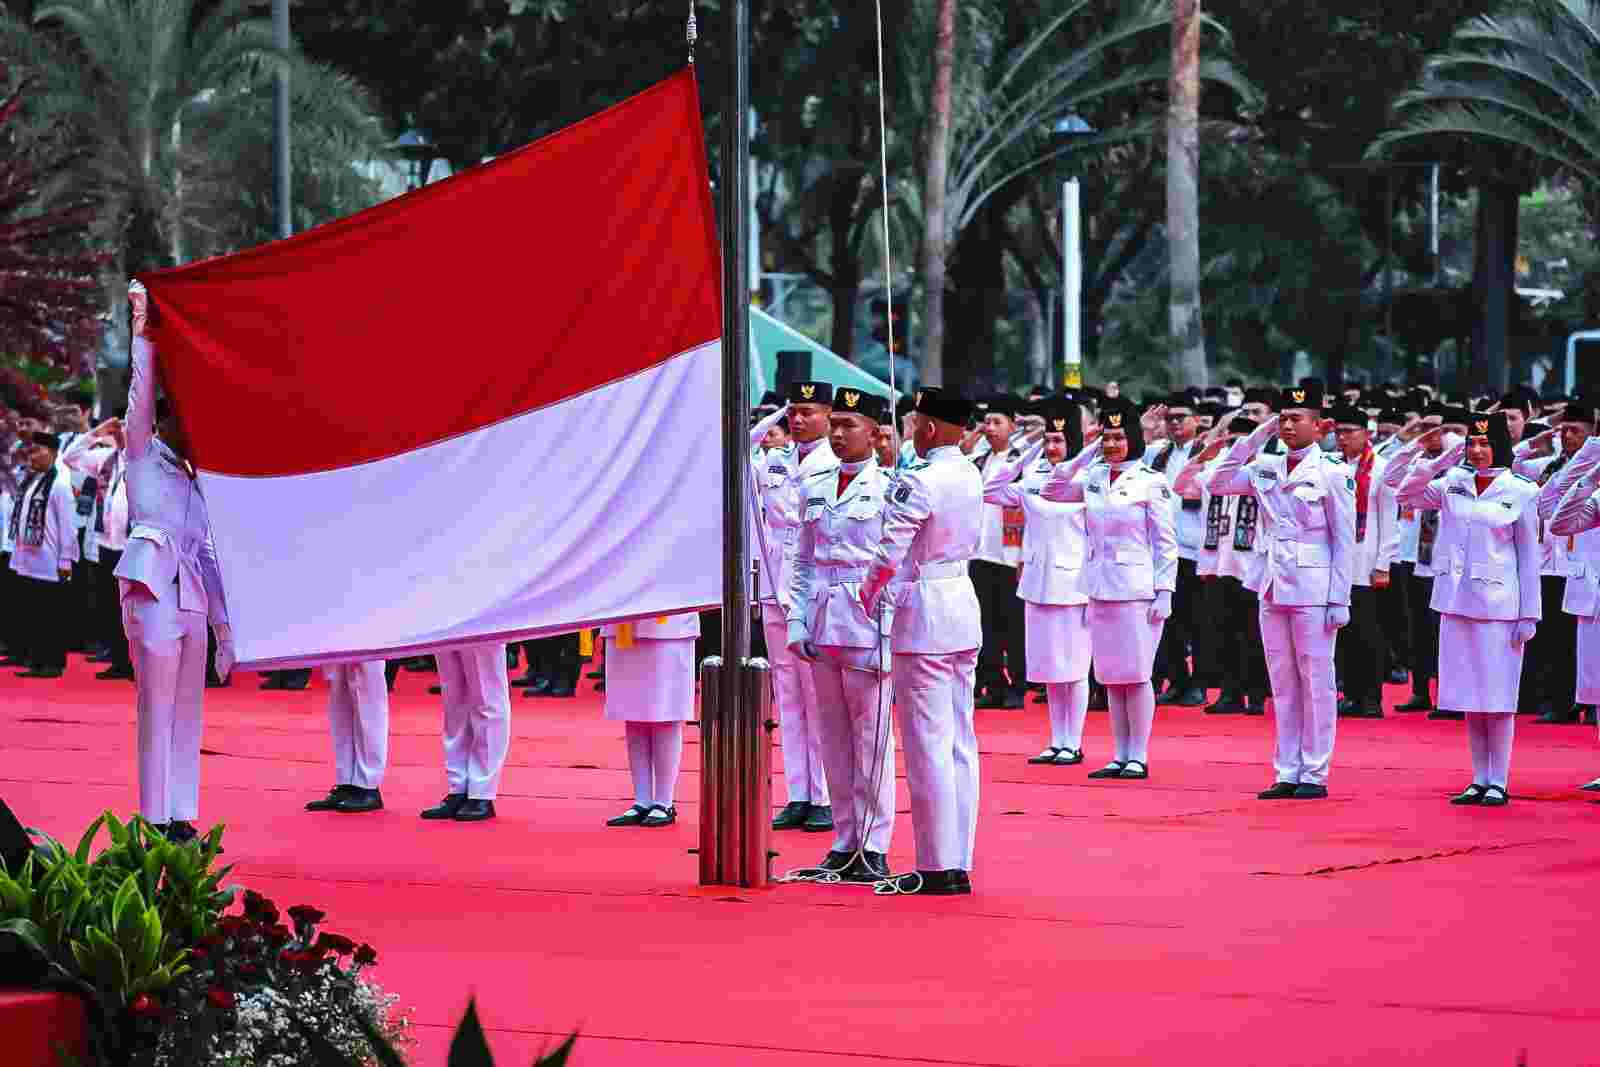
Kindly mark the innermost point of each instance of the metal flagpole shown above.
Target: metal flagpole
(280, 123)
(735, 693)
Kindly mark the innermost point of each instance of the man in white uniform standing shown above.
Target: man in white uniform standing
(779, 483)
(1308, 510)
(841, 528)
(170, 586)
(930, 531)
(358, 718)
(477, 730)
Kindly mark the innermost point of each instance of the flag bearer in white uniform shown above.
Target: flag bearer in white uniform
(170, 585)
(1363, 654)
(1307, 502)
(1577, 515)
(1054, 545)
(358, 718)
(477, 730)
(778, 481)
(930, 532)
(45, 533)
(840, 530)
(650, 690)
(1486, 591)
(1130, 572)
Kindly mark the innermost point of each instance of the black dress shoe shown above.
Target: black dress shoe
(219, 683)
(1307, 791)
(1041, 698)
(1135, 769)
(793, 815)
(1346, 708)
(926, 884)
(562, 691)
(1227, 704)
(837, 862)
(530, 680)
(819, 819)
(436, 690)
(1110, 770)
(1473, 794)
(1587, 715)
(1255, 706)
(1591, 787)
(1416, 703)
(1399, 676)
(1068, 757)
(1097, 698)
(1192, 697)
(1494, 797)
(1278, 791)
(474, 811)
(660, 816)
(121, 674)
(1047, 756)
(867, 869)
(1453, 716)
(331, 801)
(990, 701)
(1369, 709)
(273, 681)
(1566, 717)
(447, 807)
(632, 817)
(180, 832)
(358, 800)
(49, 672)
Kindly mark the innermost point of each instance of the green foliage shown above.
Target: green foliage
(470, 1048)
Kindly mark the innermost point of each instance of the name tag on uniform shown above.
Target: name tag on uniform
(1035, 492)
(1458, 490)
(902, 494)
(815, 500)
(1507, 505)
(1267, 475)
(1092, 488)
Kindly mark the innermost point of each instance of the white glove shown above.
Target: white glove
(225, 654)
(1338, 616)
(1161, 607)
(799, 642)
(139, 302)
(1523, 633)
(1263, 433)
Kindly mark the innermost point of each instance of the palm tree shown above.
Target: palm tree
(1184, 306)
(137, 80)
(1523, 84)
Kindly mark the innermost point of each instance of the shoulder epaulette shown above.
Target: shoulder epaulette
(920, 465)
(825, 471)
(1524, 478)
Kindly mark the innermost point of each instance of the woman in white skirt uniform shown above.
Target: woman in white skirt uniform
(1130, 572)
(1576, 514)
(650, 690)
(1486, 591)
(1054, 542)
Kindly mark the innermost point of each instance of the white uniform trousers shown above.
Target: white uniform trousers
(933, 694)
(477, 718)
(168, 649)
(853, 720)
(1299, 650)
(358, 717)
(794, 692)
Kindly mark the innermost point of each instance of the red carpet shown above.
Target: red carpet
(1177, 920)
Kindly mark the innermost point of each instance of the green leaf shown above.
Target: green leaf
(127, 893)
(119, 832)
(322, 1050)
(86, 842)
(558, 1058)
(149, 951)
(382, 1050)
(469, 1048)
(29, 933)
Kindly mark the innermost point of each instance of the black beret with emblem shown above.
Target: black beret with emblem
(1391, 416)
(770, 399)
(1121, 415)
(1580, 409)
(945, 403)
(849, 401)
(1306, 396)
(811, 393)
(1064, 417)
(1348, 415)
(1494, 426)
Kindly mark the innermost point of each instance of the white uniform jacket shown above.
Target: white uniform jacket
(839, 536)
(1308, 520)
(170, 551)
(1131, 537)
(58, 549)
(1571, 510)
(779, 477)
(664, 628)
(1055, 541)
(1492, 570)
(930, 532)
(1378, 546)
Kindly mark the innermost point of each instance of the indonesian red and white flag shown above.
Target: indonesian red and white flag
(486, 410)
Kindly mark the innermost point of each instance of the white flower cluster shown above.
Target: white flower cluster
(264, 1031)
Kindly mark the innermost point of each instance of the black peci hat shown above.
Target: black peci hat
(1064, 417)
(811, 393)
(1262, 394)
(1242, 424)
(45, 440)
(1493, 425)
(1123, 416)
(1307, 396)
(856, 402)
(1348, 415)
(945, 403)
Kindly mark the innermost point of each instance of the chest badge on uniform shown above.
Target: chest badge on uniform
(902, 494)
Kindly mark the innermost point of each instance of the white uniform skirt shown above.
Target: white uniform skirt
(1479, 668)
(651, 682)
(1058, 642)
(1588, 661)
(1124, 641)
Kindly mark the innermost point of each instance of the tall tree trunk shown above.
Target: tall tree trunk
(1183, 195)
(935, 237)
(1493, 287)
